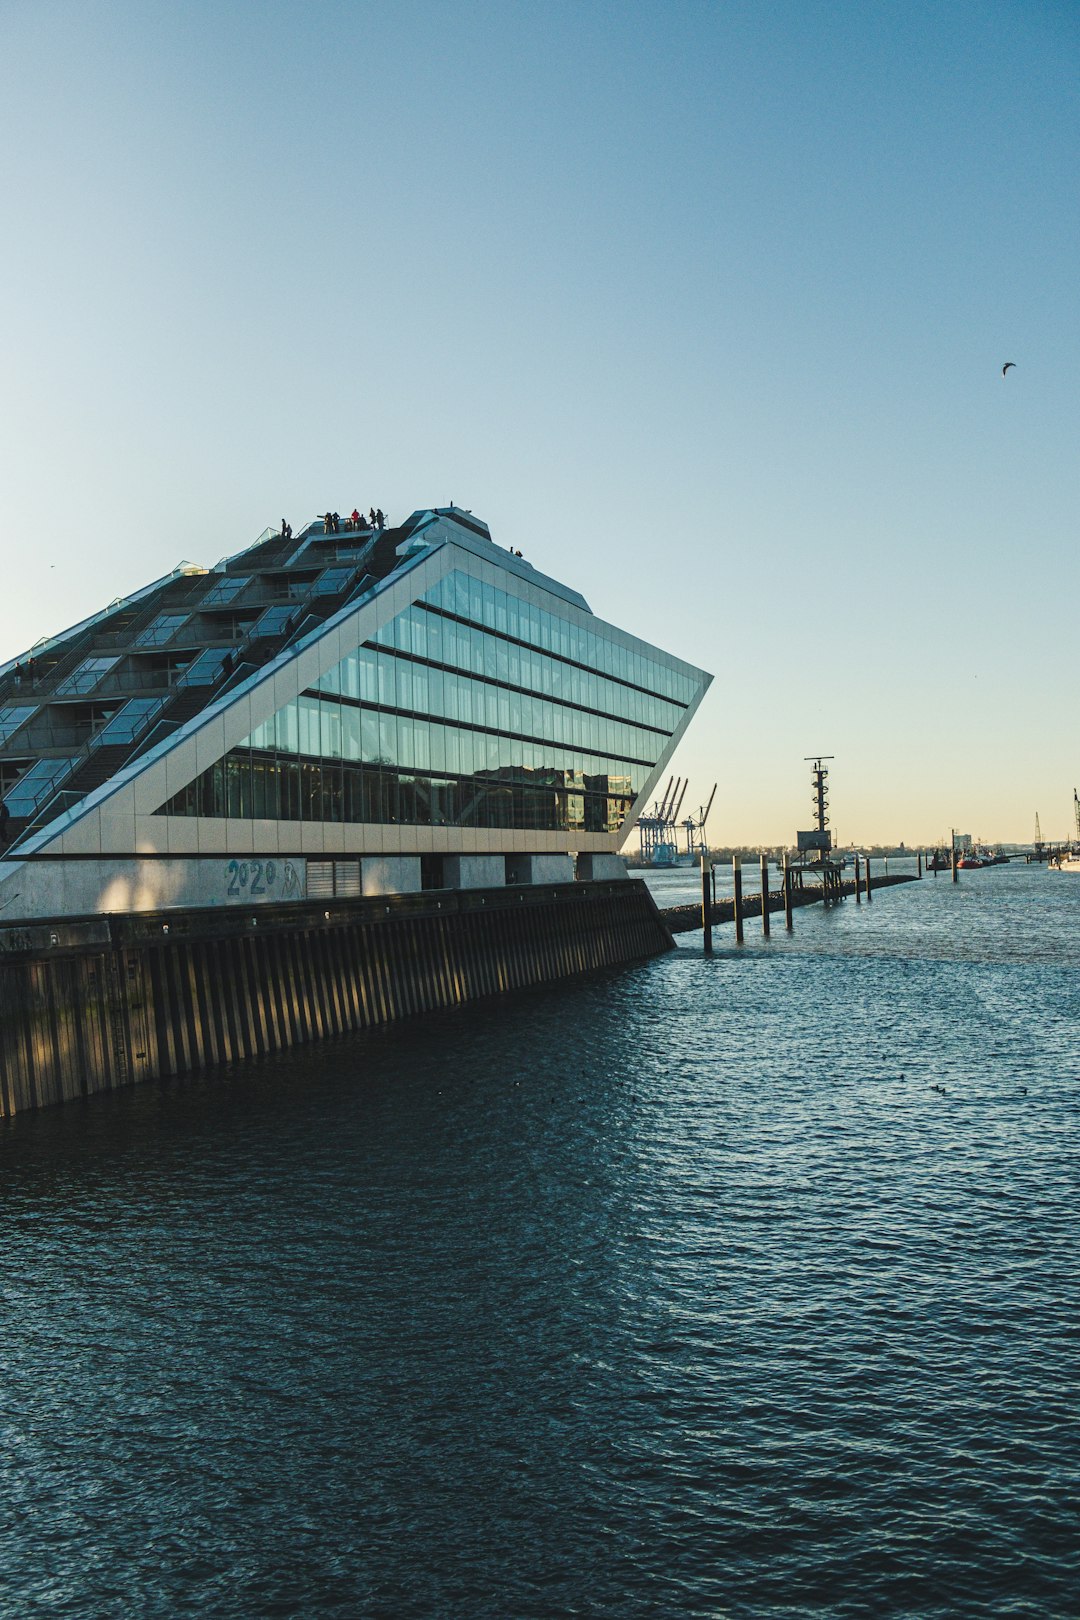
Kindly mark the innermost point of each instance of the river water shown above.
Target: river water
(744, 1286)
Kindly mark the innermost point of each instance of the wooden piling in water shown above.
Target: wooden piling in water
(765, 895)
(706, 902)
(788, 921)
(736, 872)
(869, 889)
(858, 875)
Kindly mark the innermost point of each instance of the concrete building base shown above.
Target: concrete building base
(597, 868)
(474, 871)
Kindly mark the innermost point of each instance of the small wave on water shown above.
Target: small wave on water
(735, 1286)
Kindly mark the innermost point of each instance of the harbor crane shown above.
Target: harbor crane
(659, 830)
(695, 830)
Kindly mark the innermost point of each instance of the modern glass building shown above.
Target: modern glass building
(359, 711)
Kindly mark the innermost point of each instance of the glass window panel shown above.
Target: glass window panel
(403, 675)
(368, 671)
(161, 630)
(129, 721)
(85, 676)
(272, 622)
(350, 733)
(205, 668)
(37, 784)
(226, 588)
(14, 715)
(388, 739)
(310, 730)
(330, 731)
(331, 581)
(437, 747)
(387, 693)
(288, 728)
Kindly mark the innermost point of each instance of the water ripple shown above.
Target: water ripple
(743, 1286)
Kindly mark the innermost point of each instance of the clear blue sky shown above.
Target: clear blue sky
(702, 306)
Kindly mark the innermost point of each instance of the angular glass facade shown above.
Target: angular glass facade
(472, 708)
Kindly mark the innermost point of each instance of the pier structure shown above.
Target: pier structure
(336, 717)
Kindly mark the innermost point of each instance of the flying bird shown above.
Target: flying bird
(1008, 364)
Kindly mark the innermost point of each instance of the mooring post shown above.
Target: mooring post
(765, 895)
(858, 891)
(736, 872)
(920, 863)
(955, 868)
(706, 902)
(787, 892)
(869, 890)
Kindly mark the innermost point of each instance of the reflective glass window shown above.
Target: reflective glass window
(129, 721)
(226, 589)
(272, 622)
(37, 784)
(85, 676)
(14, 715)
(161, 630)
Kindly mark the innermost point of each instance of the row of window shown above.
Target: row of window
(246, 785)
(508, 615)
(386, 682)
(421, 633)
(324, 728)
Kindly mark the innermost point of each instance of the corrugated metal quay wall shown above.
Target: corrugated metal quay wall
(91, 1004)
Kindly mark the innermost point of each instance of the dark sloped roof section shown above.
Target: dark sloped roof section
(118, 685)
